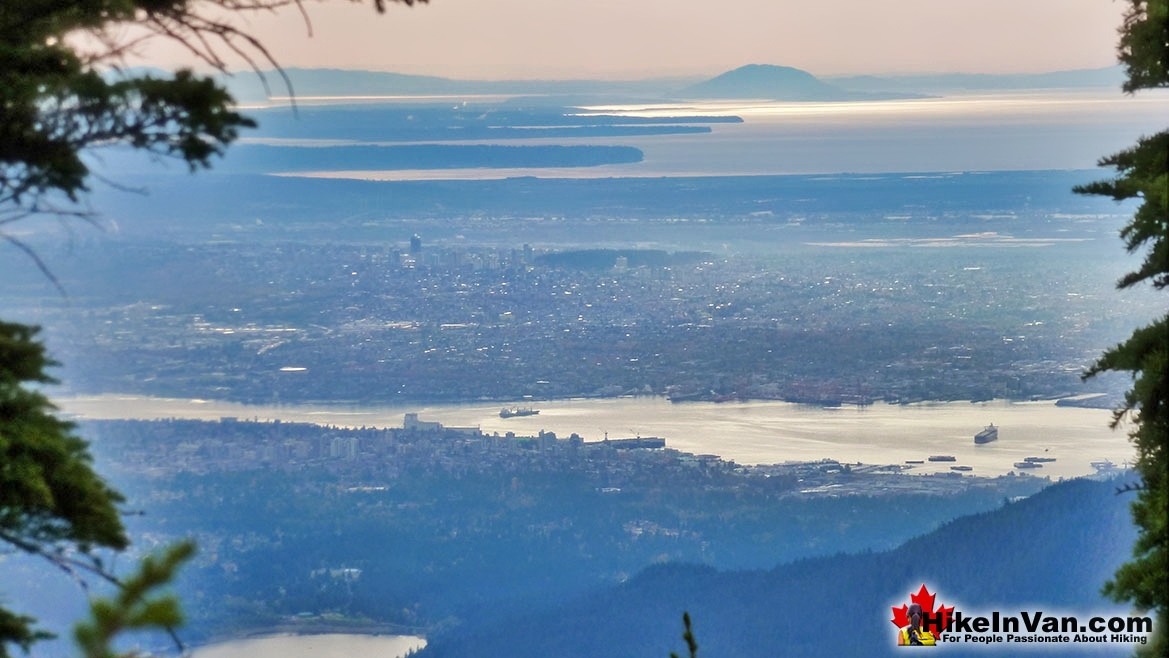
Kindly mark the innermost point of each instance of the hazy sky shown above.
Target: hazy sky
(514, 39)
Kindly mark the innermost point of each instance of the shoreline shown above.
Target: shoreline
(75, 404)
(747, 433)
(324, 640)
(317, 627)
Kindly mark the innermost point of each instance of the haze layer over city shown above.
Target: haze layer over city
(494, 325)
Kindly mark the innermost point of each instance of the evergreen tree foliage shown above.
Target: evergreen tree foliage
(64, 91)
(59, 99)
(1142, 173)
(52, 503)
(688, 637)
(49, 495)
(135, 607)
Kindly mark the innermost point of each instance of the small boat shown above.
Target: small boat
(943, 458)
(914, 461)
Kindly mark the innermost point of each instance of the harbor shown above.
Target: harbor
(744, 432)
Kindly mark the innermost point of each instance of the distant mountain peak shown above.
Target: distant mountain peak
(768, 69)
(768, 81)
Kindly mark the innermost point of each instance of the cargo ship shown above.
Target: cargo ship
(1028, 465)
(943, 458)
(988, 434)
(517, 412)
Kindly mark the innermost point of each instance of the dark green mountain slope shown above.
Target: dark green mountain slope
(1050, 552)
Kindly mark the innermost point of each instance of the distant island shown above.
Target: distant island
(782, 83)
(761, 81)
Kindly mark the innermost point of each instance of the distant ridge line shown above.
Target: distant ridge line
(767, 81)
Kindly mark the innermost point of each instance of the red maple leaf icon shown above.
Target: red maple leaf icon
(925, 599)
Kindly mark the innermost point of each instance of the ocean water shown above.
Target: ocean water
(745, 432)
(985, 132)
(977, 132)
(332, 645)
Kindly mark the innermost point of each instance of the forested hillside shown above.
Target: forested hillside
(1049, 552)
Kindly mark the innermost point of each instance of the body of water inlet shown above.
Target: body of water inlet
(745, 432)
(1004, 131)
(333, 645)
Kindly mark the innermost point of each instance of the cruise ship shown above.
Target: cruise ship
(990, 433)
